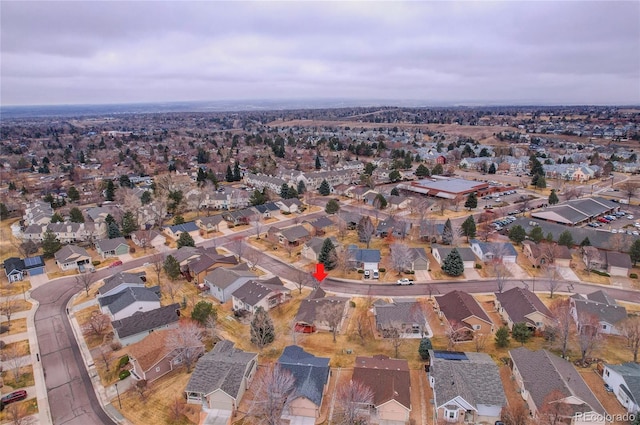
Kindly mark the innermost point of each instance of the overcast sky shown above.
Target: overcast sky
(539, 52)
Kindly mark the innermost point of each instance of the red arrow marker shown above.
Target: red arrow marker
(320, 273)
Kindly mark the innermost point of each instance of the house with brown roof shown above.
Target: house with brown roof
(210, 224)
(519, 305)
(541, 375)
(614, 263)
(464, 314)
(71, 257)
(405, 316)
(390, 383)
(153, 357)
(268, 293)
(112, 247)
(291, 236)
(148, 238)
(308, 319)
(545, 253)
(140, 324)
(466, 387)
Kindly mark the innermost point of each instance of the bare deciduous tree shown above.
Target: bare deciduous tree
(630, 328)
(15, 360)
(343, 228)
(561, 311)
(552, 278)
(501, 273)
(332, 314)
(176, 409)
(253, 257)
(275, 389)
(98, 323)
(8, 306)
(629, 188)
(393, 333)
(366, 229)
(454, 334)
(554, 411)
(238, 245)
(256, 219)
(141, 388)
(353, 400)
(572, 192)
(480, 341)
(171, 288)
(85, 279)
(18, 414)
(186, 343)
(401, 257)
(362, 327)
(211, 326)
(588, 334)
(157, 262)
(515, 414)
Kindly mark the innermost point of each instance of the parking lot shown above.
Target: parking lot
(624, 221)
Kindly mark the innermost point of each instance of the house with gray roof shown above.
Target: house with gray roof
(72, 257)
(321, 225)
(268, 293)
(223, 281)
(600, 305)
(311, 375)
(488, 251)
(210, 224)
(366, 259)
(17, 268)
(404, 316)
(121, 281)
(466, 387)
(419, 259)
(176, 230)
(541, 374)
(311, 249)
(221, 378)
(308, 318)
(112, 247)
(131, 300)
(519, 305)
(137, 326)
(440, 252)
(393, 226)
(624, 379)
(289, 236)
(464, 314)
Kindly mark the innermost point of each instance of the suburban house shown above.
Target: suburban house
(540, 375)
(491, 251)
(189, 227)
(392, 226)
(402, 316)
(72, 257)
(365, 259)
(440, 252)
(600, 305)
(220, 379)
(311, 249)
(260, 293)
(419, 259)
(239, 217)
(545, 253)
(614, 263)
(309, 316)
(148, 238)
(519, 305)
(391, 385)
(466, 387)
(134, 328)
(265, 210)
(311, 374)
(624, 380)
(210, 224)
(112, 247)
(121, 281)
(350, 219)
(289, 236)
(209, 259)
(290, 206)
(464, 314)
(17, 269)
(321, 225)
(153, 357)
(398, 202)
(131, 300)
(224, 281)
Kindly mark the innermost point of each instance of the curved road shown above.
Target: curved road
(71, 395)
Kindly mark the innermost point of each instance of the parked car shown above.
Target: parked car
(13, 397)
(608, 388)
(603, 220)
(116, 264)
(629, 217)
(376, 274)
(405, 281)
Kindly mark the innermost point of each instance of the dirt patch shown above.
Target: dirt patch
(608, 400)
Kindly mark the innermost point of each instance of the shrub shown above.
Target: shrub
(95, 263)
(3, 329)
(478, 266)
(599, 273)
(2, 345)
(132, 250)
(352, 304)
(123, 374)
(382, 270)
(115, 346)
(123, 361)
(633, 275)
(360, 271)
(286, 213)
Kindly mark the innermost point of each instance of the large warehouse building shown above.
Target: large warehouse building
(448, 187)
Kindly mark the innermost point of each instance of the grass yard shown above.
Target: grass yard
(8, 243)
(580, 269)
(83, 317)
(25, 407)
(15, 288)
(25, 378)
(19, 348)
(18, 326)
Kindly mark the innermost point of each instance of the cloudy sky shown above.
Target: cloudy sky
(538, 52)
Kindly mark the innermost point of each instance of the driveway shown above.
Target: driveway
(516, 271)
(567, 274)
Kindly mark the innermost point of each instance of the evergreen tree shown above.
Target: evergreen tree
(4, 211)
(263, 332)
(57, 218)
(236, 172)
(452, 264)
(566, 239)
(257, 198)
(201, 312)
(284, 191)
(109, 219)
(73, 194)
(549, 237)
(332, 207)
(113, 231)
(541, 182)
(536, 234)
(129, 223)
(324, 188)
(469, 228)
(125, 181)
(145, 199)
(171, 267)
(380, 202)
(301, 188)
(109, 191)
(202, 176)
(422, 171)
(424, 347)
(12, 186)
(394, 192)
(437, 170)
(521, 333)
(585, 242)
(292, 193)
(178, 220)
(471, 202)
(535, 166)
(229, 175)
(318, 164)
(447, 233)
(75, 215)
(50, 244)
(502, 337)
(634, 251)
(328, 255)
(492, 168)
(517, 234)
(185, 239)
(394, 176)
(553, 197)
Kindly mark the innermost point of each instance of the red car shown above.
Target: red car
(12, 397)
(603, 220)
(116, 264)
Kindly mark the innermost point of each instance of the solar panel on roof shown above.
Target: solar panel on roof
(31, 261)
(450, 355)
